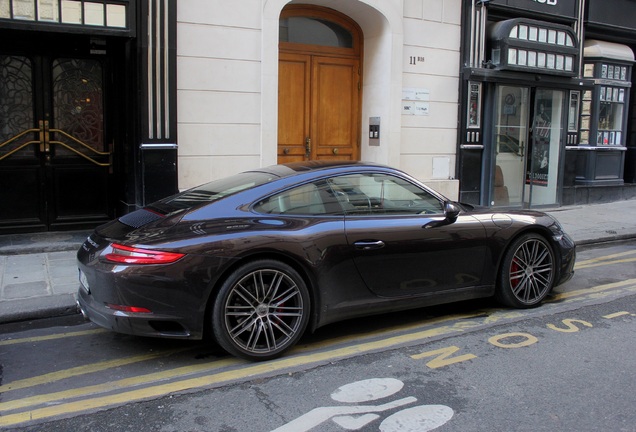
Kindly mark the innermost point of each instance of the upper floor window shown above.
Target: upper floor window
(112, 14)
(541, 34)
(534, 46)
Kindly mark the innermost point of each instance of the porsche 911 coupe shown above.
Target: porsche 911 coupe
(257, 259)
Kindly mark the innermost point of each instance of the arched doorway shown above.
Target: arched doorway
(319, 85)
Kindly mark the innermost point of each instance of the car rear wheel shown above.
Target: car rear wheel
(527, 272)
(261, 310)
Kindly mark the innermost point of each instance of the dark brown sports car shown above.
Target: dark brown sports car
(259, 257)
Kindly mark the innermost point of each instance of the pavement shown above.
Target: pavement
(39, 276)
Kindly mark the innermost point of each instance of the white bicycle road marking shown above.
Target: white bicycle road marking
(367, 390)
(421, 418)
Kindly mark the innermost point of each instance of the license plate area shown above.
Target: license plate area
(84, 282)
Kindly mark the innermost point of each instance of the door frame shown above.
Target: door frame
(499, 189)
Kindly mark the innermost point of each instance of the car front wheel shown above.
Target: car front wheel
(527, 273)
(261, 310)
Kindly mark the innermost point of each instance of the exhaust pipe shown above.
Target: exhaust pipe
(81, 310)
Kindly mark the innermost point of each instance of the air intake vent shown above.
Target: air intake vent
(139, 218)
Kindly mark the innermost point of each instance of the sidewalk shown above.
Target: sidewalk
(38, 274)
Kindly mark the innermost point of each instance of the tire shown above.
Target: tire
(261, 310)
(527, 272)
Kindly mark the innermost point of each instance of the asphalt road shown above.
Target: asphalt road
(565, 366)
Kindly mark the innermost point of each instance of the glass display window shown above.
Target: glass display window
(603, 116)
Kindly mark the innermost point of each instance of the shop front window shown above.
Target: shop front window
(610, 117)
(604, 114)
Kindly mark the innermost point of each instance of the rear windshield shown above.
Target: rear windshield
(213, 191)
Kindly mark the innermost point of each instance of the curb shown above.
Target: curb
(38, 308)
(603, 240)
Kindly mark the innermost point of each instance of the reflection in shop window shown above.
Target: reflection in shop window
(474, 105)
(573, 112)
(610, 121)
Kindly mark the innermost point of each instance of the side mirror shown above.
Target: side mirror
(451, 212)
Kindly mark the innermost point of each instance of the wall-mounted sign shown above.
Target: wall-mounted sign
(564, 8)
(415, 101)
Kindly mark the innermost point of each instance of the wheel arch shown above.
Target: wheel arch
(302, 268)
(539, 231)
(535, 229)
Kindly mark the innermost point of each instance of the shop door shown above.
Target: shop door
(318, 108)
(55, 160)
(528, 134)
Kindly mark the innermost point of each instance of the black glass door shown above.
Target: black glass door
(55, 160)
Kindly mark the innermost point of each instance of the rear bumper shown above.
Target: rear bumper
(138, 324)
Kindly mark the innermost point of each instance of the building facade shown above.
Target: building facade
(546, 99)
(106, 105)
(110, 104)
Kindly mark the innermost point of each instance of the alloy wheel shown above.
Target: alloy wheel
(264, 312)
(531, 271)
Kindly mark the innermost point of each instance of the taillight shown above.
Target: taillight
(132, 309)
(132, 255)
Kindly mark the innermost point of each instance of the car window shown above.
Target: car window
(213, 191)
(383, 194)
(308, 199)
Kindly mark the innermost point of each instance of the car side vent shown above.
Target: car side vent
(139, 218)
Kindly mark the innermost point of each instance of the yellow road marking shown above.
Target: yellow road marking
(82, 370)
(605, 260)
(51, 337)
(616, 315)
(598, 264)
(189, 370)
(593, 290)
(205, 381)
(117, 385)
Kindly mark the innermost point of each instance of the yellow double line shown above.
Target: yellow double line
(617, 258)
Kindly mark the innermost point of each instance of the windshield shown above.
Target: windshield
(213, 191)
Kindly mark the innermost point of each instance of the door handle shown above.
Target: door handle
(368, 245)
(45, 137)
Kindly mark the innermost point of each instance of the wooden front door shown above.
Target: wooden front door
(318, 87)
(318, 109)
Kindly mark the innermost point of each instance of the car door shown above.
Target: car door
(400, 241)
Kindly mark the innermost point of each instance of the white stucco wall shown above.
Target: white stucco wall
(432, 30)
(227, 66)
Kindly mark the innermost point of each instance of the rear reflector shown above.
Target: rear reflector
(133, 309)
(132, 255)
